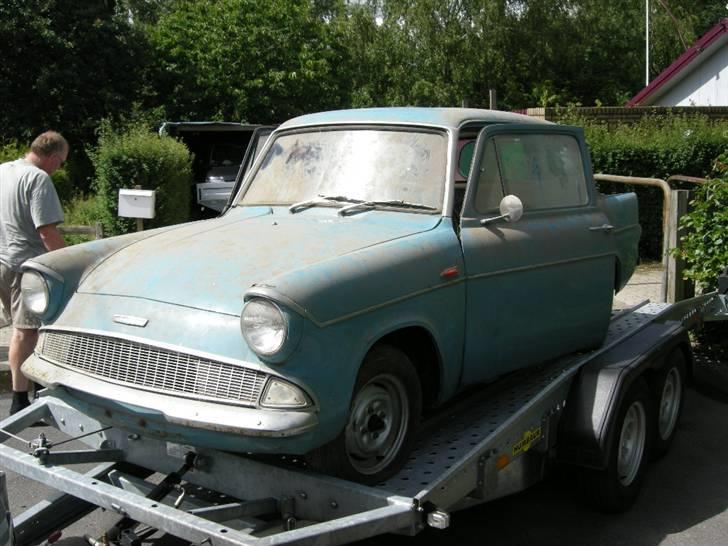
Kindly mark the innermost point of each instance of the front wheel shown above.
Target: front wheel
(383, 418)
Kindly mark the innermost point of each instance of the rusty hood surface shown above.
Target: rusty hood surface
(210, 265)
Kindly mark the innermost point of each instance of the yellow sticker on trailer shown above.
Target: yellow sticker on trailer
(529, 438)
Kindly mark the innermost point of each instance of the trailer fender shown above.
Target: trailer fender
(587, 425)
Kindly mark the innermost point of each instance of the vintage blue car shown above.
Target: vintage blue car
(373, 264)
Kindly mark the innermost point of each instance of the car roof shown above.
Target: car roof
(449, 118)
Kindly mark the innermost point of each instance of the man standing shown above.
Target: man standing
(29, 213)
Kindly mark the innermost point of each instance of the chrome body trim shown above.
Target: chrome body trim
(147, 367)
(197, 414)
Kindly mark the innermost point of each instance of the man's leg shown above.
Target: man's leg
(22, 344)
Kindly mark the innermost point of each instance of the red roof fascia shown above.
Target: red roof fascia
(681, 62)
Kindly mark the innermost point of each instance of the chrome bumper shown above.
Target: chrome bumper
(180, 411)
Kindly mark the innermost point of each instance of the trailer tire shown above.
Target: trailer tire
(669, 394)
(385, 411)
(615, 488)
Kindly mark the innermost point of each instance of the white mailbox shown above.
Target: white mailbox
(136, 203)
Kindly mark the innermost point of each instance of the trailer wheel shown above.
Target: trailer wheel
(669, 394)
(385, 411)
(615, 488)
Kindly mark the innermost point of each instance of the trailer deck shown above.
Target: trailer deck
(488, 444)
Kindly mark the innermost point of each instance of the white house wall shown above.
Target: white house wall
(707, 85)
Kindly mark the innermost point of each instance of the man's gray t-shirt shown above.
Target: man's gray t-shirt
(28, 200)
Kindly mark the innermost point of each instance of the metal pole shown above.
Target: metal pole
(647, 42)
(493, 99)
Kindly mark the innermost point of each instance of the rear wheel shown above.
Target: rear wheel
(615, 488)
(385, 411)
(669, 394)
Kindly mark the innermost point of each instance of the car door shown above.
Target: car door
(257, 141)
(541, 286)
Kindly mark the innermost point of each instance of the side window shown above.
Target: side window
(488, 189)
(544, 171)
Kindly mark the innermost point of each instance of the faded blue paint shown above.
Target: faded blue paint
(448, 118)
(260, 250)
(520, 292)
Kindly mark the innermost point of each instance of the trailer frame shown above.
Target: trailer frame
(491, 442)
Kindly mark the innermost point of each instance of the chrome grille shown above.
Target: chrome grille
(152, 368)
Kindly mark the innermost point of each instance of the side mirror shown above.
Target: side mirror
(511, 210)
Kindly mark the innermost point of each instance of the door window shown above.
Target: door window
(544, 170)
(489, 189)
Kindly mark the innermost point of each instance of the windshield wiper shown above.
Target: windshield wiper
(368, 205)
(321, 199)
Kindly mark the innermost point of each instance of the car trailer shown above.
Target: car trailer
(603, 412)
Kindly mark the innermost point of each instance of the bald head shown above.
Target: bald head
(48, 151)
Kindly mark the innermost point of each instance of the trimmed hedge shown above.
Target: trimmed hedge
(655, 147)
(136, 156)
(705, 243)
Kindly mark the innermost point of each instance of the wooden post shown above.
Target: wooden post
(139, 221)
(678, 288)
(493, 99)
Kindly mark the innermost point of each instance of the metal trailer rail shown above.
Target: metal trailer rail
(488, 445)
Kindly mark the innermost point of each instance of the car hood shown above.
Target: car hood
(211, 264)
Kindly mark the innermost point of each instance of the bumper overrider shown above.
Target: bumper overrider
(163, 392)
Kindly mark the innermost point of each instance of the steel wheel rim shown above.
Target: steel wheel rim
(669, 403)
(631, 443)
(378, 424)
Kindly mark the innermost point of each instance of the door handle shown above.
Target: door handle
(603, 227)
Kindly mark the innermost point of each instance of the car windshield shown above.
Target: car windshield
(382, 165)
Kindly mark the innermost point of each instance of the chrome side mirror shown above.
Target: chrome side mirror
(511, 210)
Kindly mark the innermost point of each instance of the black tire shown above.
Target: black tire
(384, 416)
(615, 488)
(669, 393)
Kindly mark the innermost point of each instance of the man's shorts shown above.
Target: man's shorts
(12, 300)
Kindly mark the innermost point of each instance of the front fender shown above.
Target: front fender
(357, 283)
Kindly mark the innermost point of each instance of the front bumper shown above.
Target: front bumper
(153, 411)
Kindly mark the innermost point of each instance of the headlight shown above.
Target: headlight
(264, 326)
(35, 292)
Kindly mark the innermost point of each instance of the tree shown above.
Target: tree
(248, 60)
(65, 65)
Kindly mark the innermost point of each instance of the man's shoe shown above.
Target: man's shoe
(20, 402)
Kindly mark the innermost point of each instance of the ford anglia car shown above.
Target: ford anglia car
(373, 264)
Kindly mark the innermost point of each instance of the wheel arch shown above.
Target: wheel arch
(418, 343)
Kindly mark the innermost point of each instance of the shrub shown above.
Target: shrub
(83, 211)
(135, 156)
(705, 243)
(655, 147)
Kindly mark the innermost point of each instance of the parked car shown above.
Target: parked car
(222, 151)
(374, 263)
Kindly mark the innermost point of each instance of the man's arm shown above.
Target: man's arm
(51, 237)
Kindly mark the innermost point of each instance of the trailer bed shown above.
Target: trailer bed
(489, 444)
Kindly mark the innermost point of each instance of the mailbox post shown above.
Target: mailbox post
(137, 203)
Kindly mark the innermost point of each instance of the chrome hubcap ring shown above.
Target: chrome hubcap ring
(631, 443)
(669, 404)
(378, 424)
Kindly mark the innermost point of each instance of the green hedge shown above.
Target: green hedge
(136, 156)
(705, 243)
(655, 147)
